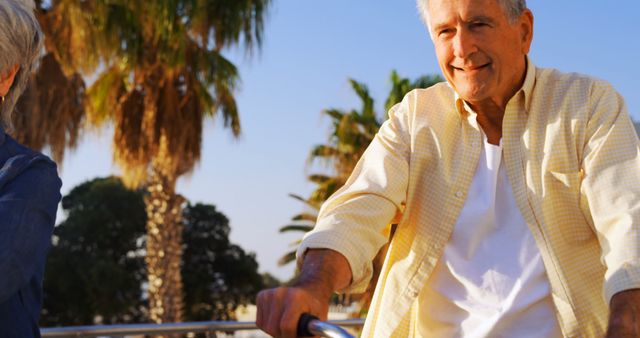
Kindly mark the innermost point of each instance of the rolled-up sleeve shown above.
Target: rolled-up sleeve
(352, 221)
(612, 187)
(29, 196)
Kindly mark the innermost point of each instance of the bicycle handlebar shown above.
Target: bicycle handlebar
(309, 325)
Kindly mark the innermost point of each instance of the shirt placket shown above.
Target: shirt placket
(515, 157)
(470, 140)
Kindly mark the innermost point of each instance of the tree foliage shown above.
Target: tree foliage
(158, 71)
(218, 275)
(96, 273)
(95, 266)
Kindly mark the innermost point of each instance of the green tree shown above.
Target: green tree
(218, 275)
(96, 266)
(159, 71)
(96, 271)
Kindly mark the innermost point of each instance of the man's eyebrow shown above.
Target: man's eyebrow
(481, 18)
(475, 18)
(440, 26)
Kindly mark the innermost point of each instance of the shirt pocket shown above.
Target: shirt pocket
(562, 206)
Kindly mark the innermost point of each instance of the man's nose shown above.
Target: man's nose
(464, 44)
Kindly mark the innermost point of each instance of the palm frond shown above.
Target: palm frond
(313, 204)
(367, 101)
(51, 110)
(335, 114)
(319, 179)
(236, 20)
(305, 217)
(287, 258)
(132, 150)
(104, 94)
(427, 81)
(295, 227)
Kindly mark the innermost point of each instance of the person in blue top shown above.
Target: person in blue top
(29, 182)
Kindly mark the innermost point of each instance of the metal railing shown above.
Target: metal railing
(209, 328)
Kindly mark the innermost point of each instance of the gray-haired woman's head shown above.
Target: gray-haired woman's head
(513, 9)
(20, 44)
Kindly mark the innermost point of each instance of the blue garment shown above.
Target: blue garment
(29, 196)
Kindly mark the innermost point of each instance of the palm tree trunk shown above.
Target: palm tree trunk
(164, 249)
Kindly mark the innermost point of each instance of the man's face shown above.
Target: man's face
(479, 51)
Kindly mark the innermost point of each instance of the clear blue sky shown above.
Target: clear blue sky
(310, 50)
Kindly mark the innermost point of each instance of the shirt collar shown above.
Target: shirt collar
(526, 90)
(527, 86)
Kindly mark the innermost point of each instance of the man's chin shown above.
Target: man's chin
(472, 94)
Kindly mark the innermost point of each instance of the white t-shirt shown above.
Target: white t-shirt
(490, 281)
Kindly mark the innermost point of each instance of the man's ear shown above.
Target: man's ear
(6, 79)
(526, 30)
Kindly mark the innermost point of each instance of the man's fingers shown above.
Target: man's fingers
(269, 311)
(259, 307)
(280, 309)
(291, 314)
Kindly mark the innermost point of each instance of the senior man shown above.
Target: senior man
(516, 190)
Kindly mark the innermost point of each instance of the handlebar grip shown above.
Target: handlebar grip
(303, 325)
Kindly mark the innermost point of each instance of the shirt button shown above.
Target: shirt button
(459, 194)
(413, 293)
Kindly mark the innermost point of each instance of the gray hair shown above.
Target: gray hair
(21, 41)
(512, 8)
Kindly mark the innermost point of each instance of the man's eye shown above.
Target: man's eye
(446, 31)
(475, 25)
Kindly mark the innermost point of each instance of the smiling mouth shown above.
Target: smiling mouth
(470, 68)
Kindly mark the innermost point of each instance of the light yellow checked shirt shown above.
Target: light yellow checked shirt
(573, 160)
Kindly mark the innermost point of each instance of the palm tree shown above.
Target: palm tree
(304, 222)
(353, 131)
(350, 135)
(158, 71)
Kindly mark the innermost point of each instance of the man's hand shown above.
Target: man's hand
(624, 318)
(323, 272)
(279, 309)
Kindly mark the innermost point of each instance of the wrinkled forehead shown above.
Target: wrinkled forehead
(442, 11)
